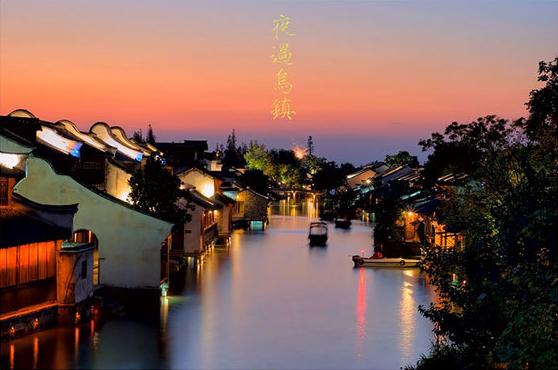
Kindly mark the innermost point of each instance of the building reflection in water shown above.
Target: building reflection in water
(292, 207)
(408, 312)
(361, 312)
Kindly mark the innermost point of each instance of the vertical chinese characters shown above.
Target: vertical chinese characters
(282, 55)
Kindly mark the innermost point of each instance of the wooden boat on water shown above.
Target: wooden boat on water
(342, 223)
(317, 233)
(385, 262)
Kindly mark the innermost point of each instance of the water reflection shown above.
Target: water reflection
(267, 301)
(361, 311)
(35, 352)
(407, 313)
(12, 356)
(294, 207)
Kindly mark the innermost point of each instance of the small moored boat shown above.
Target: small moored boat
(318, 233)
(342, 223)
(384, 262)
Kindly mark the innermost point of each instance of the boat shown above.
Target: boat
(342, 223)
(360, 261)
(317, 233)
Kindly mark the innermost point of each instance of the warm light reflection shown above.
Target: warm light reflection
(76, 342)
(12, 356)
(312, 207)
(208, 189)
(9, 161)
(407, 314)
(92, 329)
(35, 352)
(361, 312)
(164, 311)
(124, 195)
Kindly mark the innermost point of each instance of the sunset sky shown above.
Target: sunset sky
(370, 77)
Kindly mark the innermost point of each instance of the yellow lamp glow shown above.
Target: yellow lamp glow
(9, 161)
(207, 189)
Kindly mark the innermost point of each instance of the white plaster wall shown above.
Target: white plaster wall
(203, 183)
(71, 288)
(129, 241)
(192, 239)
(117, 182)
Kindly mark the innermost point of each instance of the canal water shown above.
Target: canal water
(267, 301)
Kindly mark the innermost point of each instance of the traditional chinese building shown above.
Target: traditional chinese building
(43, 277)
(251, 209)
(186, 154)
(69, 167)
(198, 235)
(365, 175)
(209, 184)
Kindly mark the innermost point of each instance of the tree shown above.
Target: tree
(464, 148)
(256, 180)
(310, 166)
(258, 158)
(402, 158)
(387, 209)
(138, 136)
(150, 137)
(156, 190)
(233, 154)
(502, 311)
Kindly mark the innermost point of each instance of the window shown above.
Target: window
(3, 191)
(84, 269)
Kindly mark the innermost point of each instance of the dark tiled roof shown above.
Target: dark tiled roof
(223, 199)
(30, 222)
(426, 206)
(198, 198)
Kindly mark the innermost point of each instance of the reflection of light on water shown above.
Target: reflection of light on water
(164, 314)
(92, 328)
(303, 207)
(312, 208)
(293, 211)
(208, 274)
(407, 313)
(35, 352)
(76, 343)
(361, 312)
(12, 356)
(413, 273)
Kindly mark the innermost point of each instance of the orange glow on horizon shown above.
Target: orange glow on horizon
(361, 68)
